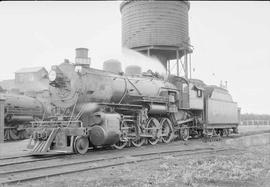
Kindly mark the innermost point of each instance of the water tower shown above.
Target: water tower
(158, 28)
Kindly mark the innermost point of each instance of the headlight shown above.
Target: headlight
(52, 75)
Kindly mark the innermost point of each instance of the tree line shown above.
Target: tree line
(248, 116)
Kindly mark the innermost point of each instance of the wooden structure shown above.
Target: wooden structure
(158, 29)
(2, 119)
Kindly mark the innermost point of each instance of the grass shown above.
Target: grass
(237, 169)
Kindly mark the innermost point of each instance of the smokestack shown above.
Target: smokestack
(82, 58)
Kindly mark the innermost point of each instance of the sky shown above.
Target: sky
(231, 41)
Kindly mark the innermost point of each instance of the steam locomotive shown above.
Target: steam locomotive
(96, 108)
(19, 111)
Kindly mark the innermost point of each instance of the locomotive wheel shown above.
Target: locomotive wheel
(153, 123)
(120, 145)
(209, 133)
(13, 134)
(166, 130)
(184, 133)
(23, 134)
(220, 133)
(6, 134)
(81, 145)
(26, 134)
(226, 132)
(138, 142)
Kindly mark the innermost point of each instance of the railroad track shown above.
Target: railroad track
(20, 168)
(25, 159)
(13, 157)
(250, 134)
(42, 170)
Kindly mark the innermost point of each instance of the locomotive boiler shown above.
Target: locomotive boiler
(19, 111)
(97, 108)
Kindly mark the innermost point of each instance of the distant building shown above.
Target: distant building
(7, 84)
(33, 79)
(30, 74)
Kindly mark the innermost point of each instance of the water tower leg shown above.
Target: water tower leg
(190, 66)
(186, 65)
(177, 62)
(169, 67)
(2, 120)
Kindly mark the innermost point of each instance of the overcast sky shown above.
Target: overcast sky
(231, 40)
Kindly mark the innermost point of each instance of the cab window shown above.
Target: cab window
(199, 93)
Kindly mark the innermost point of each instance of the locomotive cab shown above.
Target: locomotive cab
(181, 84)
(190, 92)
(195, 94)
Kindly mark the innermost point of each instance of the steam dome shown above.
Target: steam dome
(112, 65)
(133, 70)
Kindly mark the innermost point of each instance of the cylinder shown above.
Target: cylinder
(113, 66)
(154, 23)
(102, 136)
(107, 132)
(98, 135)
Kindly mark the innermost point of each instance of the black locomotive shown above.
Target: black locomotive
(19, 111)
(96, 108)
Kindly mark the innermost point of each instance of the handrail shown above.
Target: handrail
(77, 97)
(125, 93)
(56, 123)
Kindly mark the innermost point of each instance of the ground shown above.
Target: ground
(250, 167)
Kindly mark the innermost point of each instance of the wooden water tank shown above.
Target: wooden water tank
(154, 23)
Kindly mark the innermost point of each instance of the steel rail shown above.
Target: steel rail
(30, 160)
(97, 160)
(13, 157)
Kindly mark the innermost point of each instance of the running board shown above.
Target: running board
(185, 121)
